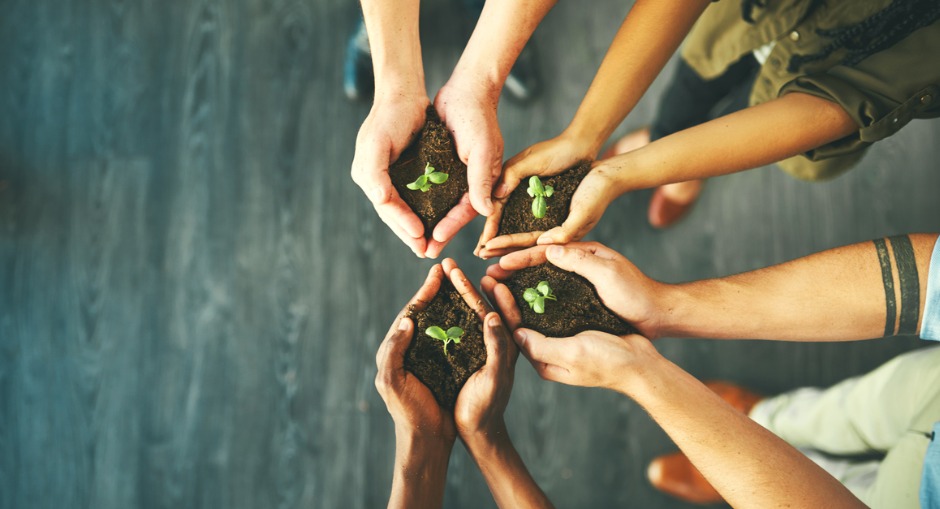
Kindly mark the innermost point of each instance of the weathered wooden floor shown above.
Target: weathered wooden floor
(192, 289)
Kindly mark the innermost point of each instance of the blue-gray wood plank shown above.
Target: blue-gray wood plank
(192, 289)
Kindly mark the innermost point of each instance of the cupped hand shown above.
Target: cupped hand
(469, 112)
(621, 286)
(410, 402)
(483, 398)
(598, 189)
(589, 359)
(390, 127)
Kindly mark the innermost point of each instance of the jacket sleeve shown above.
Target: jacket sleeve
(883, 92)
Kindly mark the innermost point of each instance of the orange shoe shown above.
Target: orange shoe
(675, 475)
(671, 203)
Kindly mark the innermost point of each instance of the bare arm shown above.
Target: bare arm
(420, 471)
(647, 38)
(747, 464)
(839, 294)
(468, 101)
(733, 143)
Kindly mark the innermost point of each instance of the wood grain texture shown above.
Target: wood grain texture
(192, 289)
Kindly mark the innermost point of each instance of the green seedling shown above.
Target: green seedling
(431, 176)
(536, 296)
(539, 193)
(452, 334)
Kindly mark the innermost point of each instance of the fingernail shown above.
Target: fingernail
(378, 194)
(520, 334)
(555, 251)
(501, 191)
(402, 324)
(494, 321)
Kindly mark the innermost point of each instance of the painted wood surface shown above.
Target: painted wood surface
(192, 289)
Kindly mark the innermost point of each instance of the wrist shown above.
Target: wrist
(487, 442)
(477, 82)
(419, 454)
(586, 139)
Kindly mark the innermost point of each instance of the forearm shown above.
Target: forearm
(835, 295)
(506, 475)
(748, 465)
(396, 47)
(501, 32)
(420, 471)
(647, 38)
(750, 138)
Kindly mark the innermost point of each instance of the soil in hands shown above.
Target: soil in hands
(577, 309)
(517, 214)
(446, 374)
(433, 145)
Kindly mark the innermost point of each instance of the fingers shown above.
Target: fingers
(508, 243)
(515, 169)
(590, 200)
(583, 261)
(370, 173)
(483, 166)
(499, 351)
(523, 259)
(469, 293)
(448, 227)
(545, 354)
(491, 227)
(417, 245)
(390, 359)
(427, 291)
(500, 295)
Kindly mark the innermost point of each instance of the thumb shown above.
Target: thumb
(496, 340)
(580, 261)
(482, 168)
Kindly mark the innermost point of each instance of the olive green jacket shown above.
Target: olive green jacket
(882, 93)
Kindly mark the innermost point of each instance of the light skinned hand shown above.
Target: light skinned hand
(469, 112)
(544, 159)
(391, 126)
(621, 286)
(410, 402)
(588, 359)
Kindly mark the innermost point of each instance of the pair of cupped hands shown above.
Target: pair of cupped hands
(589, 359)
(392, 124)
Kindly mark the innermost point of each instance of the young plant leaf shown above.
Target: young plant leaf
(549, 190)
(455, 333)
(539, 207)
(536, 185)
(428, 169)
(539, 306)
(530, 295)
(437, 333)
(543, 288)
(438, 177)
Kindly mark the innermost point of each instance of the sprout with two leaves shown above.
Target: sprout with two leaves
(431, 176)
(536, 296)
(539, 193)
(452, 334)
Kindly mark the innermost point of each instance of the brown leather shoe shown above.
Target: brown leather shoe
(665, 211)
(675, 475)
(738, 397)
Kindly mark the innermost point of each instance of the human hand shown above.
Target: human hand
(392, 124)
(483, 398)
(621, 286)
(411, 404)
(469, 112)
(589, 359)
(595, 192)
